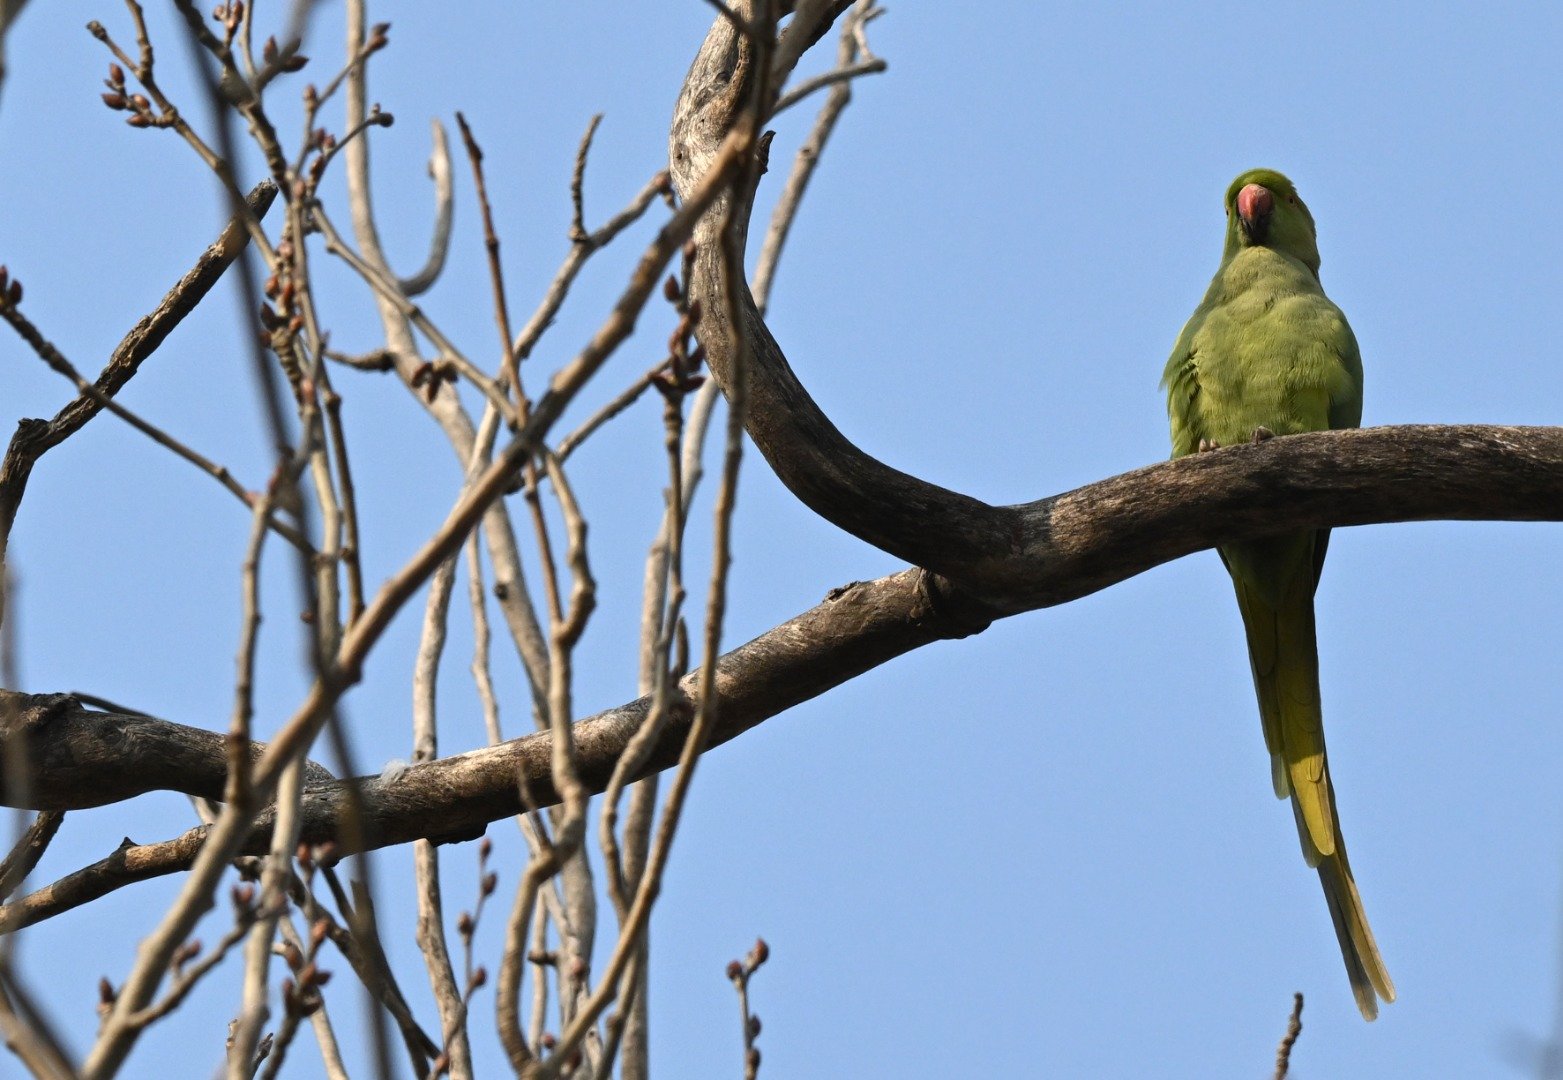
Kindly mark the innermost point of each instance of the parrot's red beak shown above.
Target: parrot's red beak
(1254, 204)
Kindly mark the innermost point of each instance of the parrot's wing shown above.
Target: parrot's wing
(1346, 405)
(1180, 379)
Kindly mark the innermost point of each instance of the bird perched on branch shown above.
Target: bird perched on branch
(1267, 353)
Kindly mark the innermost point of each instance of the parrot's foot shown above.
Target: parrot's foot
(1206, 445)
(1261, 434)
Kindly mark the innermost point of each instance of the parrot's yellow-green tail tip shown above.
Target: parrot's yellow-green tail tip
(1370, 982)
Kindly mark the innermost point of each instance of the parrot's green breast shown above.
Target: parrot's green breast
(1266, 348)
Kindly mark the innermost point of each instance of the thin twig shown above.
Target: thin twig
(496, 274)
(1283, 1053)
(169, 116)
(186, 981)
(28, 1034)
(578, 232)
(359, 941)
(482, 673)
(618, 1023)
(580, 251)
(246, 98)
(276, 875)
(28, 850)
(320, 1019)
(374, 360)
(628, 944)
(431, 939)
(387, 288)
(661, 620)
(301, 997)
(50, 354)
(509, 365)
(32, 441)
(627, 397)
(829, 78)
(350, 552)
(249, 641)
(740, 972)
(807, 158)
(439, 171)
(376, 118)
(570, 829)
(541, 962)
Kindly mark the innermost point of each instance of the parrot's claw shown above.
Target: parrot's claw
(1206, 445)
(1261, 434)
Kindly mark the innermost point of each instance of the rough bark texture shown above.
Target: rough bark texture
(78, 757)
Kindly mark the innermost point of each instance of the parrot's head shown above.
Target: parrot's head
(1264, 210)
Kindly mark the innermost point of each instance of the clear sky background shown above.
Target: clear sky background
(1049, 850)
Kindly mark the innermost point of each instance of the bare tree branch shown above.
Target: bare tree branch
(28, 850)
(1283, 1053)
(35, 437)
(1098, 535)
(444, 211)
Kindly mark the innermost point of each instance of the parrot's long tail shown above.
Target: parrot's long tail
(1285, 658)
(1364, 966)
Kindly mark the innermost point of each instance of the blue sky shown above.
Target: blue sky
(1047, 850)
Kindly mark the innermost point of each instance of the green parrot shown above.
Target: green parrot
(1267, 353)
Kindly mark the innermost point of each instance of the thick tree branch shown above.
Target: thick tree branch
(1019, 557)
(93, 758)
(923, 523)
(1086, 539)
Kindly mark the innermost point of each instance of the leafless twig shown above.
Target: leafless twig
(28, 850)
(829, 78)
(34, 438)
(626, 397)
(1283, 1053)
(740, 972)
(444, 212)
(186, 978)
(507, 357)
(580, 251)
(28, 1033)
(851, 44)
(431, 909)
